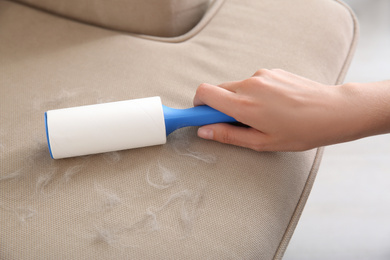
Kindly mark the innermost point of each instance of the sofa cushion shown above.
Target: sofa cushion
(165, 18)
(187, 199)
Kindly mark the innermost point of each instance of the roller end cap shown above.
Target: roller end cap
(47, 136)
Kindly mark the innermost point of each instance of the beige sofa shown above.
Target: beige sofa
(189, 198)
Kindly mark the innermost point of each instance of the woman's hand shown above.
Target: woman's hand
(285, 112)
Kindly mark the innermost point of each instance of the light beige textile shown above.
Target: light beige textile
(165, 18)
(188, 199)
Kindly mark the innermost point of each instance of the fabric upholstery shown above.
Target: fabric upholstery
(187, 199)
(165, 18)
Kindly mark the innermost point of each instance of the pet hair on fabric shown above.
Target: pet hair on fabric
(149, 223)
(167, 178)
(14, 175)
(64, 97)
(23, 214)
(106, 235)
(110, 199)
(71, 171)
(207, 158)
(112, 157)
(190, 201)
(181, 145)
(44, 180)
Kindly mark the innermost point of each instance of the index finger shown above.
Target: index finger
(216, 97)
(231, 86)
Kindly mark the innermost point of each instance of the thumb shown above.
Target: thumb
(235, 135)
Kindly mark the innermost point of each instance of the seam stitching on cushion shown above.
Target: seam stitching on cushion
(300, 205)
(215, 6)
(206, 19)
(353, 44)
(313, 172)
(53, 13)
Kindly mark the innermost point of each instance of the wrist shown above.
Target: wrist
(368, 105)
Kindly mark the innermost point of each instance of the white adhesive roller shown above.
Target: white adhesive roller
(119, 125)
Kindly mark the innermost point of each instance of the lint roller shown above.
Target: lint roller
(120, 125)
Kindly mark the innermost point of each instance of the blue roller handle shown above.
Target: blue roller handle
(195, 116)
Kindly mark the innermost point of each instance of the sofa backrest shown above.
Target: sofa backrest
(165, 18)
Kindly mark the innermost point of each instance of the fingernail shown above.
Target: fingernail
(205, 133)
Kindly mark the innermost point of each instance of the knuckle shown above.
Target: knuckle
(259, 146)
(261, 72)
(261, 82)
(226, 137)
(277, 70)
(252, 81)
(201, 88)
(262, 143)
(256, 82)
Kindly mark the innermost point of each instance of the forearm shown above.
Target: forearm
(372, 105)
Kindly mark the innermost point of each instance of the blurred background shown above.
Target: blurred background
(347, 215)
